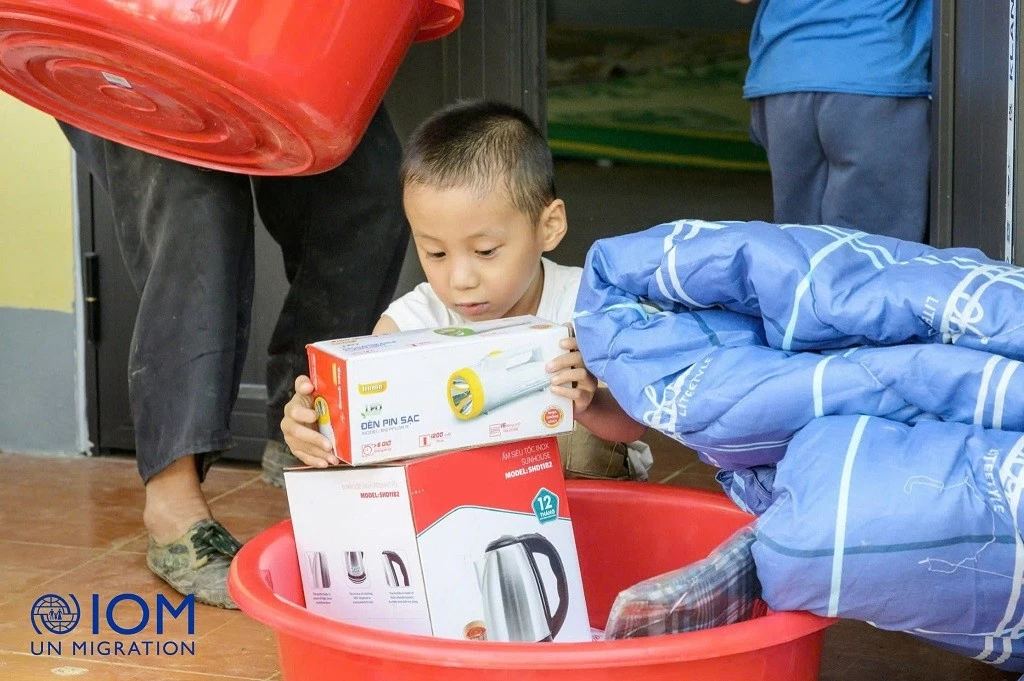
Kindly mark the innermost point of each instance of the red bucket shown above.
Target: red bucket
(625, 532)
(264, 87)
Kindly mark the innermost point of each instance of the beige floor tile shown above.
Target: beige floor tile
(25, 566)
(24, 667)
(101, 509)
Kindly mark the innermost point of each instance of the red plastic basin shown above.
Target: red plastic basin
(625, 532)
(264, 87)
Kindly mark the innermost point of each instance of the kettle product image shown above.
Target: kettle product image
(394, 569)
(515, 603)
(497, 379)
(354, 567)
(318, 570)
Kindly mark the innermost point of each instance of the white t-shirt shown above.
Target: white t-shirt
(422, 309)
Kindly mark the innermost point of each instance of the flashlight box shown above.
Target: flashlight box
(414, 393)
(476, 544)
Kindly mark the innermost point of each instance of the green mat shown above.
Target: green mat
(656, 97)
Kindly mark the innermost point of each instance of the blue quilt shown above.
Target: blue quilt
(861, 394)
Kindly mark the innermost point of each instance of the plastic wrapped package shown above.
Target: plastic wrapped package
(721, 589)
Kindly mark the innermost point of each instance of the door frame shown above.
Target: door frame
(943, 64)
(957, 28)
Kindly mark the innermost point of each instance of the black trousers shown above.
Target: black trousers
(186, 236)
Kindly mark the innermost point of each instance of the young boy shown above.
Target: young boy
(479, 192)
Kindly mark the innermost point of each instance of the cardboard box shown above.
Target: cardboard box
(382, 398)
(473, 544)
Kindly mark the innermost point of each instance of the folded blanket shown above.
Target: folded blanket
(741, 340)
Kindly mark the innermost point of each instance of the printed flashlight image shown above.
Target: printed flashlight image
(323, 418)
(497, 379)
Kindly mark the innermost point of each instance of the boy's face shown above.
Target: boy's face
(481, 255)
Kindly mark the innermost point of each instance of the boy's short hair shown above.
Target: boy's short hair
(477, 144)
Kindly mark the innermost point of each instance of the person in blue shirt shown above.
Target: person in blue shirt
(840, 100)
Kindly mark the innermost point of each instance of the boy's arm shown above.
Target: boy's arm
(593, 404)
(385, 325)
(607, 420)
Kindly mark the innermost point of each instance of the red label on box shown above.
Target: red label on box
(504, 477)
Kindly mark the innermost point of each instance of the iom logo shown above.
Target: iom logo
(55, 615)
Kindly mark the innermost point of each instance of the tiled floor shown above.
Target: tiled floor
(74, 526)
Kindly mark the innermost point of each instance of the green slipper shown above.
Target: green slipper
(197, 563)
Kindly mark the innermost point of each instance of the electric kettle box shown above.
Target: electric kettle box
(474, 544)
(381, 398)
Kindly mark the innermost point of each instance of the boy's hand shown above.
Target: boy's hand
(299, 428)
(571, 378)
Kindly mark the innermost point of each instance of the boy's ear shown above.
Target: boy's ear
(553, 225)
